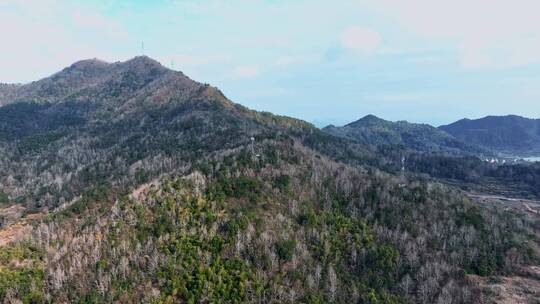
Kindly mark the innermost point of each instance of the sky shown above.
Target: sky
(327, 62)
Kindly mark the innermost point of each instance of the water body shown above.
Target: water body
(532, 159)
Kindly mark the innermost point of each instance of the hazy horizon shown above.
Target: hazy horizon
(323, 63)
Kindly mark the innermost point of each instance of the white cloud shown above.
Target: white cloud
(360, 39)
(285, 61)
(402, 97)
(41, 37)
(288, 60)
(269, 92)
(246, 71)
(85, 19)
(188, 60)
(497, 33)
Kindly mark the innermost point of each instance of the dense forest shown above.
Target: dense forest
(134, 184)
(245, 229)
(375, 131)
(511, 134)
(467, 169)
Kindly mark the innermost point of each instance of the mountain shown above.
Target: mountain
(96, 122)
(371, 130)
(83, 80)
(131, 183)
(509, 135)
(7, 92)
(433, 152)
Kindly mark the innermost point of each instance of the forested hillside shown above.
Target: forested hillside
(297, 227)
(131, 183)
(426, 150)
(375, 131)
(510, 135)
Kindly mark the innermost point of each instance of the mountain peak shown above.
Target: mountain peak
(143, 66)
(97, 67)
(511, 134)
(143, 61)
(367, 120)
(125, 80)
(89, 62)
(369, 117)
(375, 131)
(84, 68)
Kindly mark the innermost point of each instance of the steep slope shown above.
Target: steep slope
(87, 75)
(82, 120)
(111, 123)
(513, 135)
(7, 92)
(140, 185)
(372, 130)
(289, 228)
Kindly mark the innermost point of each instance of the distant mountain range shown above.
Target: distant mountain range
(493, 135)
(371, 130)
(511, 135)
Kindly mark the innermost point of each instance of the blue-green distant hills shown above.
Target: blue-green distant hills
(512, 135)
(493, 135)
(371, 130)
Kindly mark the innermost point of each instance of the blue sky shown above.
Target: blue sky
(322, 61)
